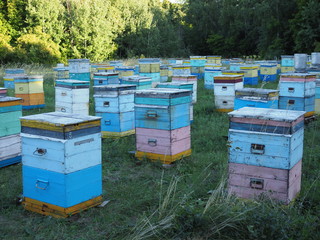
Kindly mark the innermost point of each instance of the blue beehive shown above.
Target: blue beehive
(79, 69)
(209, 73)
(105, 78)
(61, 156)
(115, 105)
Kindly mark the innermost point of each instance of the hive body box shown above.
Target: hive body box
(124, 71)
(115, 105)
(265, 153)
(164, 73)
(105, 78)
(10, 75)
(297, 92)
(61, 72)
(10, 143)
(61, 157)
(287, 61)
(197, 66)
(3, 92)
(317, 96)
(79, 69)
(139, 81)
(178, 85)
(224, 91)
(188, 79)
(251, 74)
(162, 124)
(30, 89)
(214, 59)
(181, 70)
(256, 97)
(209, 74)
(72, 96)
(268, 72)
(150, 67)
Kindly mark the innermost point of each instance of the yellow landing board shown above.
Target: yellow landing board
(106, 134)
(166, 159)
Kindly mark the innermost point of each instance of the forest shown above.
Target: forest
(47, 32)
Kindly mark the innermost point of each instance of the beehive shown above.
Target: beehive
(3, 92)
(268, 72)
(139, 81)
(179, 85)
(30, 89)
(164, 73)
(251, 74)
(198, 61)
(150, 67)
(188, 79)
(10, 143)
(209, 73)
(115, 105)
(265, 153)
(287, 61)
(79, 69)
(256, 97)
(10, 75)
(61, 170)
(105, 78)
(105, 68)
(317, 97)
(61, 72)
(72, 96)
(124, 71)
(214, 59)
(115, 63)
(297, 92)
(181, 70)
(162, 121)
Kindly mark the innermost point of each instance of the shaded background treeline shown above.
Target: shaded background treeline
(52, 31)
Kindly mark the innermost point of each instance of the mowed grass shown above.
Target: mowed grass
(186, 201)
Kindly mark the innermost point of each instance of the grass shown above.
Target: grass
(187, 201)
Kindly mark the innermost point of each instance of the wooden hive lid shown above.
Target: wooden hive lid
(298, 75)
(105, 74)
(6, 101)
(267, 114)
(113, 88)
(257, 90)
(136, 78)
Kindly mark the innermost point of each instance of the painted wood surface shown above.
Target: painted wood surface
(265, 149)
(63, 190)
(181, 70)
(306, 104)
(247, 181)
(31, 99)
(162, 117)
(117, 122)
(3, 92)
(227, 89)
(166, 159)
(298, 77)
(240, 103)
(297, 89)
(10, 161)
(79, 65)
(59, 155)
(168, 142)
(123, 103)
(80, 76)
(317, 106)
(9, 123)
(56, 211)
(10, 147)
(68, 95)
(224, 102)
(31, 87)
(287, 61)
(9, 102)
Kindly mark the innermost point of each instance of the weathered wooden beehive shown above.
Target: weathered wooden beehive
(268, 72)
(10, 75)
(139, 81)
(197, 65)
(225, 87)
(163, 124)
(105, 78)
(265, 153)
(124, 71)
(181, 70)
(297, 92)
(164, 73)
(115, 105)
(116, 63)
(30, 89)
(188, 79)
(317, 96)
(209, 74)
(79, 69)
(72, 96)
(3, 92)
(179, 85)
(61, 72)
(150, 67)
(287, 63)
(10, 143)
(61, 157)
(251, 74)
(256, 97)
(214, 59)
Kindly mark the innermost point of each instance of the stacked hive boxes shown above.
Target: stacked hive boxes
(105, 78)
(61, 71)
(115, 104)
(181, 70)
(188, 79)
(163, 124)
(72, 96)
(231, 72)
(235, 67)
(164, 73)
(297, 92)
(225, 87)
(287, 63)
(10, 143)
(10, 75)
(265, 154)
(30, 89)
(317, 96)
(124, 71)
(116, 63)
(209, 73)
(251, 74)
(268, 72)
(256, 97)
(139, 81)
(178, 85)
(3, 92)
(61, 157)
(214, 59)
(150, 67)
(105, 68)
(79, 69)
(197, 66)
